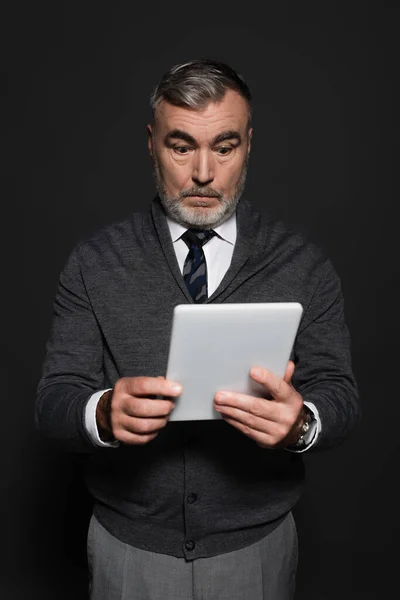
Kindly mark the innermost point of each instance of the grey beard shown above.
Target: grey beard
(189, 217)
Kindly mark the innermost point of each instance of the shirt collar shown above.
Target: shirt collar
(226, 231)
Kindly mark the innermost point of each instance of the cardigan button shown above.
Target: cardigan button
(190, 545)
(192, 498)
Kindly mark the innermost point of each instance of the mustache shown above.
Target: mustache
(202, 192)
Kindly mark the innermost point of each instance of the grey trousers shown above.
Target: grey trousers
(265, 570)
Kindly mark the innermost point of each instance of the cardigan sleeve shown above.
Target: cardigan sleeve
(322, 354)
(73, 365)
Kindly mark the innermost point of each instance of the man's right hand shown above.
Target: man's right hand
(130, 413)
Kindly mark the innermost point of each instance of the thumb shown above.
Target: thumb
(289, 372)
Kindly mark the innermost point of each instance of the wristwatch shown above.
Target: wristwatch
(307, 430)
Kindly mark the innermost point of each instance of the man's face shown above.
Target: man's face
(200, 159)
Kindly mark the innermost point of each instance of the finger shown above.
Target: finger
(289, 372)
(251, 422)
(140, 426)
(262, 438)
(152, 386)
(277, 387)
(259, 407)
(126, 437)
(147, 407)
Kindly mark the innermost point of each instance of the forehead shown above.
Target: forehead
(229, 113)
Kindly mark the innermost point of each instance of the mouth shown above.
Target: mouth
(202, 200)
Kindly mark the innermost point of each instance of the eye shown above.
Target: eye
(224, 150)
(182, 150)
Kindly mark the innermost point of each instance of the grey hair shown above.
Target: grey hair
(194, 84)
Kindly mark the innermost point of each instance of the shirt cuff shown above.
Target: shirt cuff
(91, 424)
(314, 431)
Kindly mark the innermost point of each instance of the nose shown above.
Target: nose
(203, 168)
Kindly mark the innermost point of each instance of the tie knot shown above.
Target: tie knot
(197, 237)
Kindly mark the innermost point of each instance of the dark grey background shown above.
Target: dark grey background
(75, 83)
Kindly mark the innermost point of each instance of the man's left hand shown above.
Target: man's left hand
(271, 423)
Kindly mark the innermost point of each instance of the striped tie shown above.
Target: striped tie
(195, 268)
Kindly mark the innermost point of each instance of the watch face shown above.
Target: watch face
(309, 436)
(300, 443)
(307, 430)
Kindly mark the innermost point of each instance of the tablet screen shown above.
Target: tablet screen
(214, 346)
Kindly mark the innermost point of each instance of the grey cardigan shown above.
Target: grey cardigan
(199, 482)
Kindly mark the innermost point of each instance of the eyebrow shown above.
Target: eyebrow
(231, 134)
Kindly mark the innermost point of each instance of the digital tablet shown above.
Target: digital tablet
(214, 346)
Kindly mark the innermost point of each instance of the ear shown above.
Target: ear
(150, 138)
(249, 136)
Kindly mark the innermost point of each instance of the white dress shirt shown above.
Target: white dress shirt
(218, 254)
